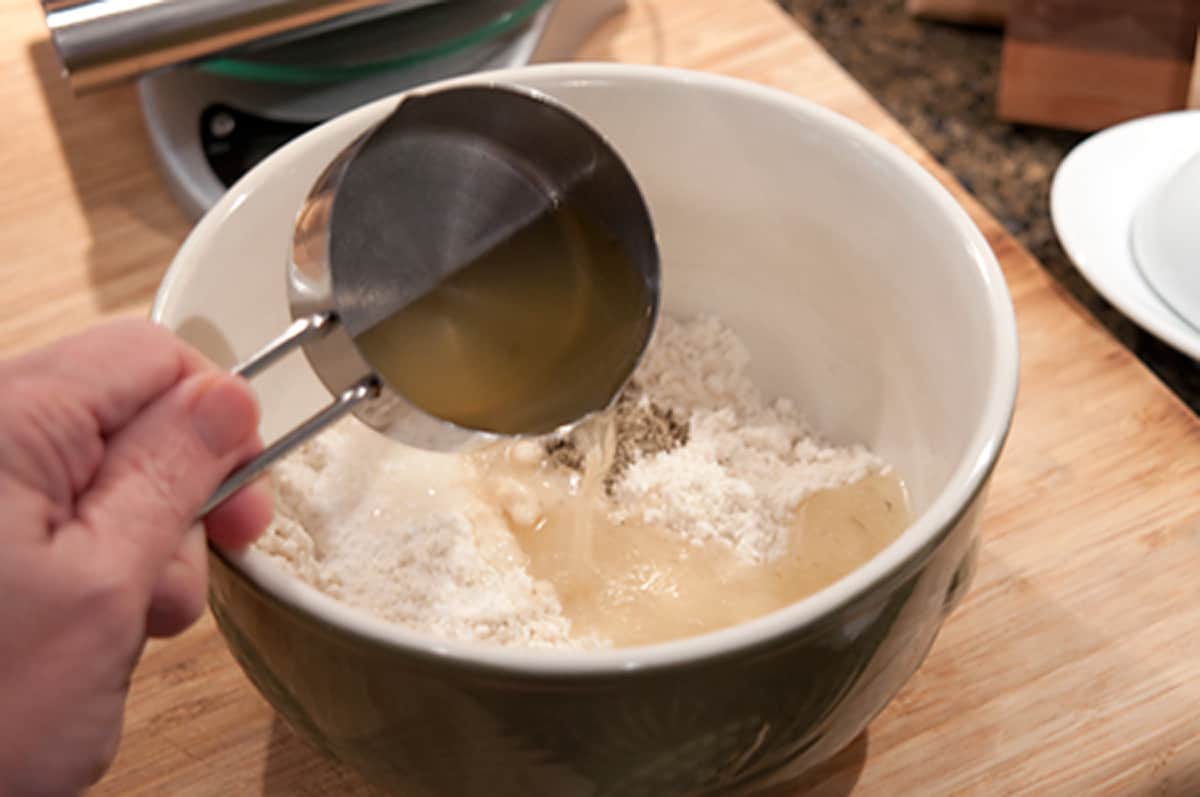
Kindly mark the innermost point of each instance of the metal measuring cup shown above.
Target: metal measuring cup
(446, 177)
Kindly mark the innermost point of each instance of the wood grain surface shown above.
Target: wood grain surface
(1070, 669)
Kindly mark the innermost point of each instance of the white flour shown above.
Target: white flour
(397, 531)
(747, 463)
(405, 534)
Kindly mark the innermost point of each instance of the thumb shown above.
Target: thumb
(159, 469)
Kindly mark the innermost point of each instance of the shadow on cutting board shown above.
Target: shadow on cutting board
(294, 769)
(134, 226)
(601, 44)
(837, 777)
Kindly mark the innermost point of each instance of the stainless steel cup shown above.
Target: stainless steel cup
(441, 181)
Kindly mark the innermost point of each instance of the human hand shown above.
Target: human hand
(110, 442)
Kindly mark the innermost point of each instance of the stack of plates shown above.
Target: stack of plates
(1126, 208)
(378, 42)
(213, 120)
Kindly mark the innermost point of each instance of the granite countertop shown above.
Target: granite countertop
(939, 81)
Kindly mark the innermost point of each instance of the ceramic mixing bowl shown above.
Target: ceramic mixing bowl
(863, 292)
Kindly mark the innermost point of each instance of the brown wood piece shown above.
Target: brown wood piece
(1085, 89)
(1157, 29)
(1193, 100)
(967, 12)
(1088, 64)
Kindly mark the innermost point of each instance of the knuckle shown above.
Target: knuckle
(108, 595)
(156, 346)
(184, 598)
(163, 477)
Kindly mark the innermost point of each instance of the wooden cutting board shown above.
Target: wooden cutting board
(1073, 666)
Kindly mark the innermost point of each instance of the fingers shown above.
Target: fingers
(179, 596)
(117, 368)
(160, 468)
(28, 514)
(242, 518)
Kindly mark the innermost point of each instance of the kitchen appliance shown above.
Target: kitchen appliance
(211, 118)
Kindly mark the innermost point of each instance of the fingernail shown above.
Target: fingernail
(222, 415)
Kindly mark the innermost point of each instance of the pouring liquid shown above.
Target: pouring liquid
(631, 582)
(538, 332)
(541, 331)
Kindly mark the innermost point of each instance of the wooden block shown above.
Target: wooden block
(1088, 64)
(968, 12)
(1193, 100)
(1085, 89)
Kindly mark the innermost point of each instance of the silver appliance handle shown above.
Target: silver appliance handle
(101, 42)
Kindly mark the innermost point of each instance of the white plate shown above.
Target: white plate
(1093, 199)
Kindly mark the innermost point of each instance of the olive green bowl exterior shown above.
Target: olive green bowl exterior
(418, 724)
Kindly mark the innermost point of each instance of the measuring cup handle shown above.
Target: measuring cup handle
(300, 330)
(364, 389)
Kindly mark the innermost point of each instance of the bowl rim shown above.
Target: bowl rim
(906, 552)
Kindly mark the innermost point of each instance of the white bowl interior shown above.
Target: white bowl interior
(861, 288)
(842, 278)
